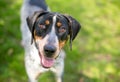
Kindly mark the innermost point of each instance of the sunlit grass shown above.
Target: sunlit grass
(96, 51)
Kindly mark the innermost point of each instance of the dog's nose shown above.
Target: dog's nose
(49, 50)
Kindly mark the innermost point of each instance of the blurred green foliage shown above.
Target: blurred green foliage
(96, 52)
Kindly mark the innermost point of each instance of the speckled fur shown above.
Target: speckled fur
(32, 59)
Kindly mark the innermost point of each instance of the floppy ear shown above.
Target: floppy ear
(31, 21)
(74, 28)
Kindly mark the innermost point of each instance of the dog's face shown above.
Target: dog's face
(50, 31)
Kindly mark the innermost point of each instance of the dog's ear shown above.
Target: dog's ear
(31, 21)
(74, 28)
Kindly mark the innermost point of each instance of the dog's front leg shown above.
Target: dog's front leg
(58, 69)
(32, 80)
(32, 75)
(59, 73)
(59, 79)
(32, 67)
(31, 72)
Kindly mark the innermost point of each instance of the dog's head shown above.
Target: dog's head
(50, 31)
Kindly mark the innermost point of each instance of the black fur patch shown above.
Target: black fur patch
(39, 3)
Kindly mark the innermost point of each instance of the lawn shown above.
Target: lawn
(95, 56)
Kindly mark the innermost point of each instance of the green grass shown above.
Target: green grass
(96, 52)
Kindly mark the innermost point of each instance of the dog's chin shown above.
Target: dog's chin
(45, 61)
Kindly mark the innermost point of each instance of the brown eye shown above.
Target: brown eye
(42, 26)
(62, 30)
(59, 24)
(47, 22)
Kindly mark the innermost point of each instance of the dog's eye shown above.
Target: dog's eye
(41, 26)
(62, 30)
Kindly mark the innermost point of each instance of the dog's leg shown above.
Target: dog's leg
(59, 67)
(32, 67)
(32, 74)
(32, 80)
(59, 78)
(58, 71)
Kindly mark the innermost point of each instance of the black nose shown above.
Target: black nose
(49, 50)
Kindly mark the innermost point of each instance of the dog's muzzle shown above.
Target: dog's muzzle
(49, 50)
(47, 57)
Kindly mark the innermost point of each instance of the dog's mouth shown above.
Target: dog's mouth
(46, 62)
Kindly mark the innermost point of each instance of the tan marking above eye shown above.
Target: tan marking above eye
(47, 22)
(59, 24)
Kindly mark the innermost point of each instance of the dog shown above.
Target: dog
(44, 35)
